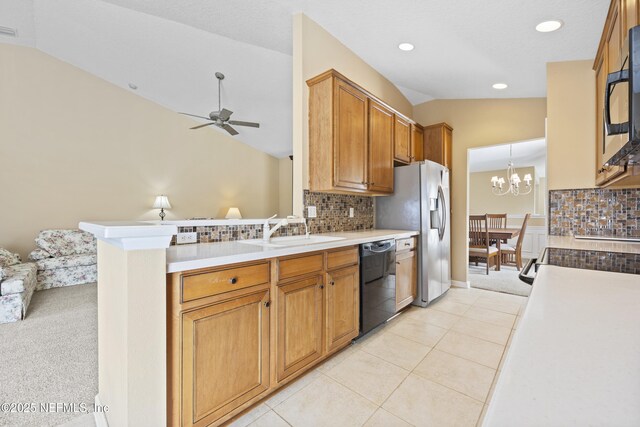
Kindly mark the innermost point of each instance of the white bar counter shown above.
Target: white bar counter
(575, 357)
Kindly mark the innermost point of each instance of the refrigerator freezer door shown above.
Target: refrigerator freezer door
(445, 241)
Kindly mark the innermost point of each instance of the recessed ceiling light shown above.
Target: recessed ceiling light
(549, 26)
(500, 86)
(405, 46)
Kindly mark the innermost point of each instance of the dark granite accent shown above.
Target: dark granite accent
(595, 211)
(333, 212)
(594, 260)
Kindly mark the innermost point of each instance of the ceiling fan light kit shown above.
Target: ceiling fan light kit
(221, 117)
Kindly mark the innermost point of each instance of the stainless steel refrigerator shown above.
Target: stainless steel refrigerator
(421, 202)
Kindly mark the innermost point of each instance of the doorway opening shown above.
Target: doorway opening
(506, 212)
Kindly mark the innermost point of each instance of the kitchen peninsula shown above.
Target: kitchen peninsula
(290, 307)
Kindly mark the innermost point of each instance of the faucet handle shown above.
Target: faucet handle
(274, 215)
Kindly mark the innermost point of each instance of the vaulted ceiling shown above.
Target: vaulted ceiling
(171, 49)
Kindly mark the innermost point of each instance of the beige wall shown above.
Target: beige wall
(478, 123)
(571, 125)
(74, 147)
(286, 184)
(482, 200)
(314, 52)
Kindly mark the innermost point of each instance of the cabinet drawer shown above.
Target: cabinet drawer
(405, 244)
(217, 282)
(292, 267)
(342, 258)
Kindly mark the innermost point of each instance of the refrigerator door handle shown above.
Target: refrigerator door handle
(442, 207)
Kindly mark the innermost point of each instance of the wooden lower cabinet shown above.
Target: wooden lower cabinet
(228, 349)
(299, 336)
(342, 302)
(225, 357)
(406, 278)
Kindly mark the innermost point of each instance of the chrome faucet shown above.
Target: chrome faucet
(267, 232)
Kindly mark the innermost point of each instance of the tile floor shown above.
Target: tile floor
(431, 366)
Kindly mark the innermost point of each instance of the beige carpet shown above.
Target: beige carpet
(51, 356)
(506, 280)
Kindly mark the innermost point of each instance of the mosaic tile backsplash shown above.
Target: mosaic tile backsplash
(333, 212)
(228, 233)
(595, 211)
(595, 260)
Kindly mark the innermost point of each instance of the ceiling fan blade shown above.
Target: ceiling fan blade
(225, 114)
(201, 126)
(229, 129)
(193, 115)
(241, 123)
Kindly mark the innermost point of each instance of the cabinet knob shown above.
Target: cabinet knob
(407, 244)
(398, 262)
(332, 283)
(233, 280)
(267, 304)
(321, 286)
(372, 183)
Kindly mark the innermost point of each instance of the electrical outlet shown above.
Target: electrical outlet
(311, 212)
(351, 213)
(183, 238)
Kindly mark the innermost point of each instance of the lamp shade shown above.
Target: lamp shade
(161, 202)
(233, 213)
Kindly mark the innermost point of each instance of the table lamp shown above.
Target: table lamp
(162, 203)
(233, 213)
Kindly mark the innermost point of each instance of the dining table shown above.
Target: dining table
(499, 234)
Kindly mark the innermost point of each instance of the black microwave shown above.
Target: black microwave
(622, 104)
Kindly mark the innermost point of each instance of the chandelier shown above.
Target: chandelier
(497, 184)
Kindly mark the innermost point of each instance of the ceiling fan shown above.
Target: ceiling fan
(221, 117)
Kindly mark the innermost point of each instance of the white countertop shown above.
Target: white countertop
(569, 242)
(131, 235)
(575, 357)
(202, 255)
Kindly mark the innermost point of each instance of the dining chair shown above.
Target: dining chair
(513, 255)
(497, 221)
(479, 245)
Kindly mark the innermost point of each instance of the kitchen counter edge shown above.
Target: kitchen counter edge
(203, 255)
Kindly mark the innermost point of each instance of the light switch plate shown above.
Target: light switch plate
(311, 212)
(183, 238)
(351, 213)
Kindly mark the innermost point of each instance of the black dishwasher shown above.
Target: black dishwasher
(377, 284)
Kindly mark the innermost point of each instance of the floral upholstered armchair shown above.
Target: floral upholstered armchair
(65, 258)
(17, 283)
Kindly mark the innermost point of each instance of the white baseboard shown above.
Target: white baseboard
(459, 284)
(99, 416)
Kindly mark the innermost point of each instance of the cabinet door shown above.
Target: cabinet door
(342, 295)
(417, 143)
(380, 148)
(402, 140)
(601, 80)
(350, 146)
(406, 278)
(299, 336)
(617, 105)
(447, 147)
(225, 357)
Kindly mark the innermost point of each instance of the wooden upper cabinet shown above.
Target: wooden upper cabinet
(402, 140)
(417, 143)
(622, 15)
(300, 325)
(225, 357)
(342, 307)
(350, 138)
(380, 148)
(438, 140)
(350, 151)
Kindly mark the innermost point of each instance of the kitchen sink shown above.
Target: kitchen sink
(283, 242)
